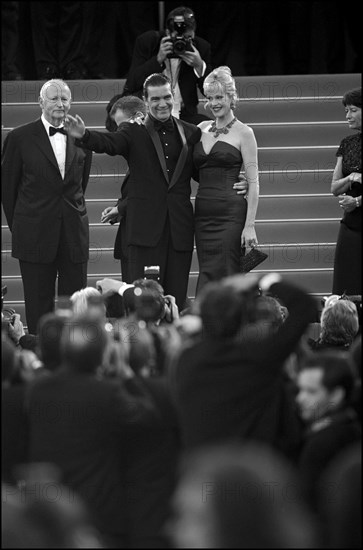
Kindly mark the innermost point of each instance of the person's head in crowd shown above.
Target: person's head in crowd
(110, 124)
(341, 509)
(44, 513)
(83, 344)
(267, 315)
(150, 302)
(221, 311)
(54, 93)
(49, 338)
(221, 83)
(239, 496)
(339, 323)
(156, 89)
(142, 352)
(127, 108)
(118, 307)
(325, 384)
(88, 298)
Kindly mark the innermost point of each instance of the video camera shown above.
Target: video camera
(181, 44)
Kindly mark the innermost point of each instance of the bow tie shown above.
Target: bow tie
(167, 125)
(53, 131)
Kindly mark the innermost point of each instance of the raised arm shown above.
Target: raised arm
(111, 143)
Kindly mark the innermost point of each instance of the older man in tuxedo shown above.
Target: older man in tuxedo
(44, 178)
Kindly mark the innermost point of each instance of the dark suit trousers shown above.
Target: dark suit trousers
(39, 284)
(174, 265)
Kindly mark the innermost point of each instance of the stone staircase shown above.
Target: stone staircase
(298, 122)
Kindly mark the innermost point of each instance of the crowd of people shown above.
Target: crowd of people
(127, 423)
(133, 417)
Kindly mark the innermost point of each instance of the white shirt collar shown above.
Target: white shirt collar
(47, 125)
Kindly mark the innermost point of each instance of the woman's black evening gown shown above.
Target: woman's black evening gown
(220, 213)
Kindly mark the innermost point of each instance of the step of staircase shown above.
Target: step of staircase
(298, 122)
(249, 111)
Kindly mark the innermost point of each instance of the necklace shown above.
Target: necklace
(223, 130)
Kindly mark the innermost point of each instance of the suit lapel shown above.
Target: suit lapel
(183, 154)
(42, 141)
(156, 141)
(70, 152)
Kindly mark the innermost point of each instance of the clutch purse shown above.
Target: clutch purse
(251, 260)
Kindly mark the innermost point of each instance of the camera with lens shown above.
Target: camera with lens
(181, 43)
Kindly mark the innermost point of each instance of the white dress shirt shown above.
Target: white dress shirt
(59, 144)
(172, 68)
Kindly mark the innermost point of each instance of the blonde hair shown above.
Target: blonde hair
(221, 79)
(79, 299)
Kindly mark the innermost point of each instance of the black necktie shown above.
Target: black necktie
(166, 126)
(53, 131)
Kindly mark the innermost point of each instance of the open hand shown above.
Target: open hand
(74, 126)
(193, 59)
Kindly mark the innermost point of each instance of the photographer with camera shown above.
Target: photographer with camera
(178, 53)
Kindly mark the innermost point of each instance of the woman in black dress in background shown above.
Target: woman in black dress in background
(224, 220)
(347, 185)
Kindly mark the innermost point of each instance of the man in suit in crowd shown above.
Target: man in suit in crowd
(44, 177)
(84, 422)
(124, 109)
(160, 222)
(186, 66)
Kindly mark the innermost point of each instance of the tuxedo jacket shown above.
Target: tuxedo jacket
(144, 63)
(151, 197)
(39, 205)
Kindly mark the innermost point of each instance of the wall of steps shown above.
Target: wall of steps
(298, 122)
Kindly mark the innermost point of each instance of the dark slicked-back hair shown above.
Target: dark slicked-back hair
(155, 79)
(353, 97)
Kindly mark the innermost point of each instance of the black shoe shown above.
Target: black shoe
(49, 72)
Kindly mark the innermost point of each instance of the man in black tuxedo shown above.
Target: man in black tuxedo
(160, 221)
(44, 178)
(157, 52)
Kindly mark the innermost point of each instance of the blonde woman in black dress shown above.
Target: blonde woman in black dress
(224, 220)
